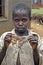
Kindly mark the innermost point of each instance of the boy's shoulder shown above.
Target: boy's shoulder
(5, 33)
(32, 32)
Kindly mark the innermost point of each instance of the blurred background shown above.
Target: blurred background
(37, 17)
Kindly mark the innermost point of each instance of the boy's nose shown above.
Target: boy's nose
(20, 23)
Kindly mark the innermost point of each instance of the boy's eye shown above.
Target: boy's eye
(24, 20)
(17, 20)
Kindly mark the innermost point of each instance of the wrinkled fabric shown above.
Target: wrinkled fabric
(25, 51)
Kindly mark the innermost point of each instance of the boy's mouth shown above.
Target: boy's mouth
(20, 29)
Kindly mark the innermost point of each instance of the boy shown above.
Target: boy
(19, 41)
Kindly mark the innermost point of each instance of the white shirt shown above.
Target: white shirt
(26, 52)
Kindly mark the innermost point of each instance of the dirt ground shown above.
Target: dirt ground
(35, 26)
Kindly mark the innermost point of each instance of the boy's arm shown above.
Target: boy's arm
(37, 49)
(4, 61)
(5, 40)
(2, 49)
(36, 57)
(2, 54)
(34, 43)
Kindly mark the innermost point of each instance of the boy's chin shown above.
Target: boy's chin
(21, 30)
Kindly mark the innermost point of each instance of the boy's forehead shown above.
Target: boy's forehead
(21, 12)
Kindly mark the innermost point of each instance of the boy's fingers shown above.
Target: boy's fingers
(8, 37)
(33, 41)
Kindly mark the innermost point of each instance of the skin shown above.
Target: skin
(21, 20)
(33, 41)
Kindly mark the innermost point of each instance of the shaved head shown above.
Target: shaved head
(21, 8)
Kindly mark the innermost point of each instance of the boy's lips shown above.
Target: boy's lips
(20, 27)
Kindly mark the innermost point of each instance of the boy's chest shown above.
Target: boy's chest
(25, 54)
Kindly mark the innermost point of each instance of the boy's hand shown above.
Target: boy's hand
(7, 39)
(16, 38)
(33, 42)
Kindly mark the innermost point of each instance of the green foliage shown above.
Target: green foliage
(37, 11)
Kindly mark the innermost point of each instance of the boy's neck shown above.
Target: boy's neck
(21, 33)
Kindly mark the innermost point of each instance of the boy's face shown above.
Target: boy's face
(21, 20)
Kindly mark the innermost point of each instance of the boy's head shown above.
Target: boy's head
(21, 16)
